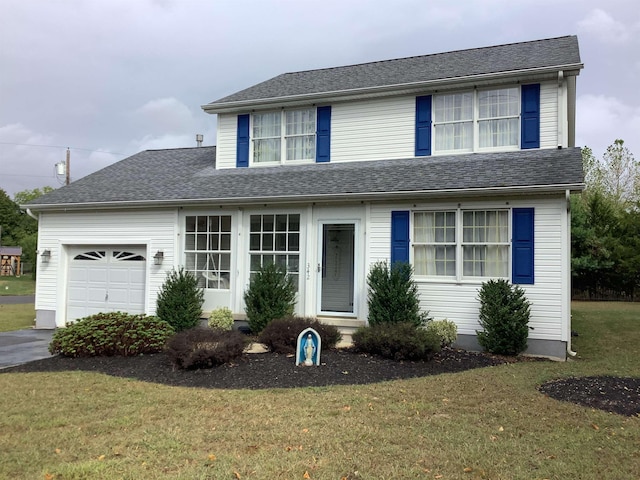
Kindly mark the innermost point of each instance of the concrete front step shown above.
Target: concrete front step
(346, 326)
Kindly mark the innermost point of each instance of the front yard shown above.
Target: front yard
(486, 423)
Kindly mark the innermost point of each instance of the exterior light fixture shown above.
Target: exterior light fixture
(158, 257)
(46, 256)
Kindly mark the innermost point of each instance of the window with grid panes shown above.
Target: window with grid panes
(284, 136)
(275, 238)
(434, 243)
(208, 250)
(485, 243)
(490, 116)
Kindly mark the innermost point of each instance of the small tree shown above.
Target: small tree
(180, 300)
(393, 295)
(504, 316)
(271, 294)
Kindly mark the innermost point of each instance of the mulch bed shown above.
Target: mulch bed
(339, 367)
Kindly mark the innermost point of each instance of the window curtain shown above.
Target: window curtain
(424, 232)
(266, 137)
(300, 131)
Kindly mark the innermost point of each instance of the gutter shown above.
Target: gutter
(305, 199)
(567, 195)
(233, 106)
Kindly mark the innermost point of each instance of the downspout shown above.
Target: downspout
(30, 213)
(567, 194)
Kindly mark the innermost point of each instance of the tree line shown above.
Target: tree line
(18, 228)
(605, 227)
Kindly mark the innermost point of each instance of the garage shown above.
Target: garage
(105, 279)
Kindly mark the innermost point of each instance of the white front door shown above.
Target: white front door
(336, 268)
(106, 280)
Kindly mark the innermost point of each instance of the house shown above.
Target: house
(460, 163)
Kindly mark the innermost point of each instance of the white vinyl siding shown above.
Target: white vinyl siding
(457, 301)
(549, 115)
(373, 130)
(61, 232)
(226, 141)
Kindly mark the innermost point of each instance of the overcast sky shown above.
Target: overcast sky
(109, 78)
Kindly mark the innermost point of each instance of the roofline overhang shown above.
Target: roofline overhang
(572, 69)
(522, 190)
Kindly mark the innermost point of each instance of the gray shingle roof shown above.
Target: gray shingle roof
(553, 52)
(188, 176)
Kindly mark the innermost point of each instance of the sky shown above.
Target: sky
(110, 78)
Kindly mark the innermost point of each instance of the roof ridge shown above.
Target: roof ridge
(448, 52)
(175, 148)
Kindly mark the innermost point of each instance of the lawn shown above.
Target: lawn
(24, 285)
(488, 423)
(16, 317)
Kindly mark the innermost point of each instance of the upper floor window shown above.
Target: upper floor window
(464, 122)
(284, 136)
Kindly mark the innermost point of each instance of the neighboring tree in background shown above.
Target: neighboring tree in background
(605, 224)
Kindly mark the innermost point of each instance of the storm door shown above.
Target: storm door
(336, 268)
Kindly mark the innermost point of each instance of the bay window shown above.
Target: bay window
(284, 136)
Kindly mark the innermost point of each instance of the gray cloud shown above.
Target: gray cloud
(111, 78)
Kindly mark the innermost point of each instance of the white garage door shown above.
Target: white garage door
(106, 280)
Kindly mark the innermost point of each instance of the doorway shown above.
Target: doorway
(336, 268)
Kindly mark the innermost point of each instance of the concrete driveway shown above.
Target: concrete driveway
(16, 299)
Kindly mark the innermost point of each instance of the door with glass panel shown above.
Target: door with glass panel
(336, 268)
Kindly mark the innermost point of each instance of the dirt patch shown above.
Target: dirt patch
(619, 395)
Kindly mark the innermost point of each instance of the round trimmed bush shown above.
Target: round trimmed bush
(221, 318)
(204, 347)
(445, 330)
(398, 341)
(113, 333)
(281, 335)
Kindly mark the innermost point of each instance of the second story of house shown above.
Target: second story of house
(503, 98)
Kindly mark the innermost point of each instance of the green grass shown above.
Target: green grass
(24, 285)
(491, 422)
(16, 317)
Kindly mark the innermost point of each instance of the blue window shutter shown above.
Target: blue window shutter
(423, 126)
(399, 236)
(522, 246)
(530, 128)
(323, 135)
(242, 146)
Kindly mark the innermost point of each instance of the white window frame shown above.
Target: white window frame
(282, 137)
(259, 242)
(460, 245)
(209, 247)
(475, 120)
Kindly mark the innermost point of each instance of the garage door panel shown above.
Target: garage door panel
(101, 281)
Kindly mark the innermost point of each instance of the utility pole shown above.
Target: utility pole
(68, 165)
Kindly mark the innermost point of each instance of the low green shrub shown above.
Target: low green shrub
(281, 335)
(398, 341)
(114, 333)
(221, 318)
(445, 330)
(204, 347)
(271, 294)
(180, 300)
(393, 295)
(504, 317)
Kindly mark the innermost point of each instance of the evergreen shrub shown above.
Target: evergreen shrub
(271, 294)
(180, 300)
(393, 295)
(398, 341)
(504, 317)
(445, 330)
(221, 318)
(281, 334)
(113, 333)
(204, 347)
